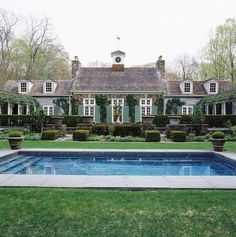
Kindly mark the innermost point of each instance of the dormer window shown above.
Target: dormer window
(212, 88)
(48, 87)
(187, 87)
(23, 87)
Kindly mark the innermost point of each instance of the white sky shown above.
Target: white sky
(147, 28)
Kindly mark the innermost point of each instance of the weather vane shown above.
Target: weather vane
(118, 42)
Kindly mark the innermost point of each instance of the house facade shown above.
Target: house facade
(117, 94)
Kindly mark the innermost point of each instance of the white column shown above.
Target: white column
(0, 109)
(27, 109)
(223, 108)
(18, 109)
(69, 105)
(9, 108)
(207, 109)
(214, 109)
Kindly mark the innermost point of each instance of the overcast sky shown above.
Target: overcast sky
(147, 28)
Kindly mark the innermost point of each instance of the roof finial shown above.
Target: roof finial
(118, 42)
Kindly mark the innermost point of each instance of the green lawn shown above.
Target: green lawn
(74, 212)
(230, 146)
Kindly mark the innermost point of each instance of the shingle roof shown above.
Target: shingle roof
(63, 87)
(173, 87)
(131, 79)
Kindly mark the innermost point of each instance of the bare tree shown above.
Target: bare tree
(187, 67)
(8, 22)
(37, 38)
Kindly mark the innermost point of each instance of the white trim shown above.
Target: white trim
(48, 110)
(188, 109)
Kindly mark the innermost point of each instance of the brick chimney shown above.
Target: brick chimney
(75, 65)
(160, 64)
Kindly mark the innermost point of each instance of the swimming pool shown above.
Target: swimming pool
(119, 164)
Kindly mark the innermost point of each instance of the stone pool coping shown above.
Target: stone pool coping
(118, 182)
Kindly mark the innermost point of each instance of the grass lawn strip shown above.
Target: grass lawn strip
(229, 146)
(73, 212)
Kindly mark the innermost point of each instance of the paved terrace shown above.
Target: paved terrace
(118, 182)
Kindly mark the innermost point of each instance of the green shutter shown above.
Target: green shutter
(109, 114)
(97, 114)
(137, 114)
(56, 110)
(154, 110)
(179, 109)
(126, 114)
(80, 110)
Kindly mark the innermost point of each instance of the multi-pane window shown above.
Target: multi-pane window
(212, 87)
(146, 105)
(48, 87)
(23, 87)
(187, 87)
(48, 110)
(187, 110)
(89, 106)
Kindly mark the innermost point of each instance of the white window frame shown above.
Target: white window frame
(48, 83)
(210, 84)
(26, 87)
(187, 110)
(145, 106)
(46, 109)
(89, 105)
(190, 88)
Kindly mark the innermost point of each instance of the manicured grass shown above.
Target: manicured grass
(230, 146)
(73, 212)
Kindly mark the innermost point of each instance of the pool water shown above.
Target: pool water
(119, 163)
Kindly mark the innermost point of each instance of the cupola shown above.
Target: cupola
(118, 61)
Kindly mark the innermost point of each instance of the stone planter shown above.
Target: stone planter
(57, 120)
(218, 144)
(147, 119)
(87, 119)
(15, 142)
(174, 120)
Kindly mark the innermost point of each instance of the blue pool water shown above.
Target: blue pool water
(119, 163)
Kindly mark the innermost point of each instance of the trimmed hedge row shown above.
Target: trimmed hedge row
(50, 134)
(178, 136)
(81, 135)
(127, 130)
(152, 136)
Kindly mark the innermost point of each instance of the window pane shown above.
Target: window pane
(92, 111)
(142, 102)
(143, 110)
(50, 110)
(92, 101)
(148, 101)
(187, 87)
(48, 87)
(148, 111)
(23, 87)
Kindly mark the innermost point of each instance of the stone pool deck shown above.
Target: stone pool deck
(118, 182)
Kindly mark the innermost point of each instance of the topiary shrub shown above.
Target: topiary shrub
(15, 134)
(81, 135)
(218, 135)
(152, 136)
(100, 129)
(178, 136)
(50, 134)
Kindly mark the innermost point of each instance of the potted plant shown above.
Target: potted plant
(218, 140)
(15, 139)
(57, 120)
(147, 119)
(174, 119)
